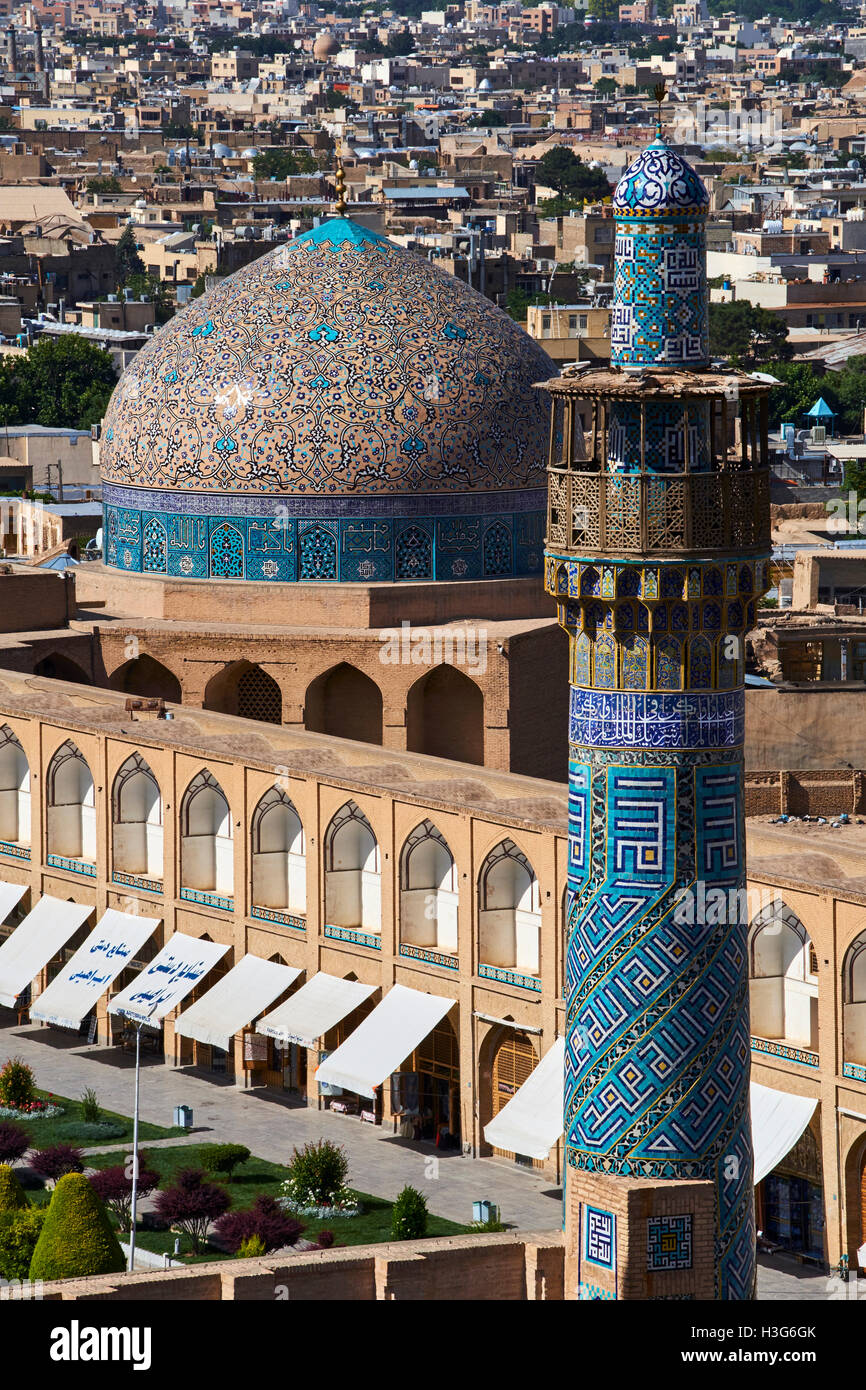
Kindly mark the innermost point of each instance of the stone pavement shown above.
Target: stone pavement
(379, 1163)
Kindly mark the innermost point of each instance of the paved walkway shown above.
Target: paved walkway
(379, 1163)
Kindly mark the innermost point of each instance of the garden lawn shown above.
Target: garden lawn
(42, 1133)
(257, 1176)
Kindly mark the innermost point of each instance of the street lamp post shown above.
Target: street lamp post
(133, 1208)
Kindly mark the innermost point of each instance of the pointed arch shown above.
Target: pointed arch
(346, 703)
(353, 891)
(71, 808)
(207, 851)
(428, 890)
(137, 828)
(278, 850)
(509, 910)
(226, 552)
(783, 980)
(57, 667)
(244, 689)
(148, 678)
(14, 790)
(445, 716)
(854, 1002)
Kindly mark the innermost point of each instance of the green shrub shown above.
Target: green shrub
(409, 1216)
(77, 1237)
(77, 1132)
(17, 1084)
(19, 1234)
(12, 1194)
(224, 1158)
(91, 1110)
(251, 1248)
(317, 1174)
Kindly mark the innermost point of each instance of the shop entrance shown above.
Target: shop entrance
(425, 1092)
(514, 1061)
(792, 1205)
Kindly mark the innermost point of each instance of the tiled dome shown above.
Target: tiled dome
(339, 376)
(659, 180)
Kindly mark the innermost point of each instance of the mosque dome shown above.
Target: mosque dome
(338, 409)
(659, 180)
(327, 45)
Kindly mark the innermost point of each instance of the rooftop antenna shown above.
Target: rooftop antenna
(658, 98)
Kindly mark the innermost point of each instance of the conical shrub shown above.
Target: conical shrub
(12, 1194)
(77, 1237)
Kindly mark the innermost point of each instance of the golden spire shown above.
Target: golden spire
(658, 98)
(341, 185)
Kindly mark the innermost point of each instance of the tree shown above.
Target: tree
(19, 1233)
(400, 43)
(409, 1215)
(605, 87)
(12, 1194)
(113, 1186)
(275, 164)
(56, 1160)
(799, 388)
(746, 334)
(518, 301)
(127, 260)
(14, 1142)
(224, 1158)
(63, 382)
(605, 10)
(77, 1237)
(854, 480)
(198, 288)
(104, 185)
(317, 1174)
(265, 1220)
(560, 168)
(486, 119)
(17, 1084)
(192, 1204)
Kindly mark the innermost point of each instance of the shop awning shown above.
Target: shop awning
(238, 997)
(531, 1122)
(109, 948)
(778, 1121)
(10, 896)
(35, 941)
(383, 1040)
(318, 1006)
(182, 962)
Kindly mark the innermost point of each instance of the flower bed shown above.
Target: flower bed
(32, 1110)
(344, 1204)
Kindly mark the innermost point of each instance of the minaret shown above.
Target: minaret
(12, 49)
(657, 543)
(40, 53)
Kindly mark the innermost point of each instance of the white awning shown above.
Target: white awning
(383, 1040)
(778, 1121)
(109, 948)
(182, 962)
(318, 1006)
(531, 1122)
(10, 896)
(35, 941)
(239, 996)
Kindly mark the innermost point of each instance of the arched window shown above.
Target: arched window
(353, 894)
(207, 861)
(854, 1002)
(428, 891)
(279, 854)
(71, 813)
(137, 820)
(14, 790)
(783, 986)
(509, 911)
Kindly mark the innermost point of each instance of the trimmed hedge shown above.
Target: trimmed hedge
(83, 1132)
(19, 1235)
(77, 1237)
(12, 1194)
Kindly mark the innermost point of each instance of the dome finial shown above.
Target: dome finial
(341, 185)
(658, 98)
